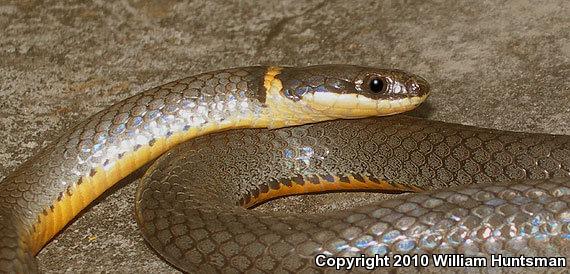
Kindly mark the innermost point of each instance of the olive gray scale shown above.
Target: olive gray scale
(505, 193)
(195, 101)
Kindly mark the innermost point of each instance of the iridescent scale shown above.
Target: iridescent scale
(194, 103)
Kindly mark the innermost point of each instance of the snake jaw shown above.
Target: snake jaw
(350, 106)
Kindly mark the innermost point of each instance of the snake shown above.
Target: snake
(294, 130)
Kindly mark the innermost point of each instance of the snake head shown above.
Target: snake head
(346, 91)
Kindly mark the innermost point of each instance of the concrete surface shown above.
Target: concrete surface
(502, 65)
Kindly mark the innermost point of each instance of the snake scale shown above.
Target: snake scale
(482, 191)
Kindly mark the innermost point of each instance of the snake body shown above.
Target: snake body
(486, 192)
(509, 191)
(40, 197)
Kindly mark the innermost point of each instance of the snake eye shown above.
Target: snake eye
(377, 84)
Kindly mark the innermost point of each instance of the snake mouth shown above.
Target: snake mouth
(358, 106)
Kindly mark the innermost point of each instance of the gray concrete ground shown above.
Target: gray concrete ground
(502, 65)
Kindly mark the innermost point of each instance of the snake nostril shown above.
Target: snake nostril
(414, 87)
(417, 86)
